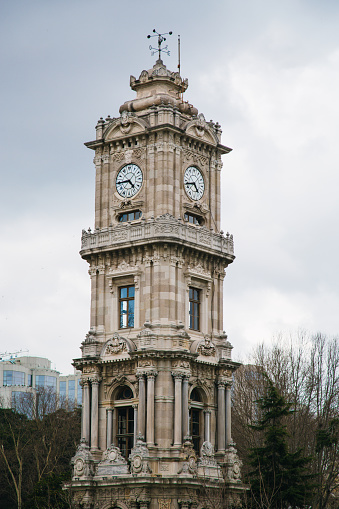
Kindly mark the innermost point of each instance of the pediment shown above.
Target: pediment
(127, 125)
(199, 128)
(116, 347)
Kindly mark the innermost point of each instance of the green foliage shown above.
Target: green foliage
(278, 478)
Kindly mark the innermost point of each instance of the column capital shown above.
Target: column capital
(207, 411)
(140, 375)
(151, 374)
(221, 383)
(84, 382)
(95, 380)
(177, 375)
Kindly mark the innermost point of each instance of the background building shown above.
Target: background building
(24, 375)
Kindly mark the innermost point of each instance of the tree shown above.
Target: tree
(305, 370)
(14, 445)
(279, 479)
(38, 439)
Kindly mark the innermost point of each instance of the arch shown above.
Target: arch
(199, 394)
(113, 390)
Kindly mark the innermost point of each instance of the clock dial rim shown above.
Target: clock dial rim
(133, 179)
(201, 187)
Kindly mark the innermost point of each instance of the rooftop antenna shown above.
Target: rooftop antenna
(179, 54)
(161, 39)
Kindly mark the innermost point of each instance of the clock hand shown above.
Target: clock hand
(124, 182)
(192, 184)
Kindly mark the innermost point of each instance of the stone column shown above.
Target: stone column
(177, 408)
(135, 432)
(185, 421)
(142, 405)
(207, 414)
(85, 416)
(150, 407)
(228, 415)
(95, 415)
(221, 417)
(109, 419)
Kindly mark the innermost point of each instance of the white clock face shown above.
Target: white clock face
(129, 180)
(194, 183)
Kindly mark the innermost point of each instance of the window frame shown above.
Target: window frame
(128, 300)
(196, 305)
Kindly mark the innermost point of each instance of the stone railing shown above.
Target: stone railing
(164, 228)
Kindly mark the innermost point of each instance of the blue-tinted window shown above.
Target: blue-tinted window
(62, 389)
(71, 390)
(126, 307)
(17, 397)
(14, 378)
(46, 381)
(29, 380)
(79, 396)
(130, 216)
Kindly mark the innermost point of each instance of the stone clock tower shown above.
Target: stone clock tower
(156, 364)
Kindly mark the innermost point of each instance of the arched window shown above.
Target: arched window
(124, 420)
(196, 420)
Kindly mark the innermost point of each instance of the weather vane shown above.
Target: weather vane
(161, 39)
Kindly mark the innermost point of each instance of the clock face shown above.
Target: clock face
(194, 183)
(129, 180)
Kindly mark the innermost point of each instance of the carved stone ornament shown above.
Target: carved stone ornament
(164, 504)
(207, 464)
(206, 347)
(83, 462)
(125, 122)
(189, 465)
(115, 345)
(232, 465)
(139, 458)
(112, 463)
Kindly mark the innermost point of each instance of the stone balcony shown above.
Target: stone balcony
(165, 228)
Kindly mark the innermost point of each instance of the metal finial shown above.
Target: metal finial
(161, 39)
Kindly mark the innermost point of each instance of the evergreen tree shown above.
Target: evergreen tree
(279, 479)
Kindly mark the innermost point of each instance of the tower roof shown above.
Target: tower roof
(158, 85)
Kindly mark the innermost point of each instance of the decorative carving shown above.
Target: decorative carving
(115, 345)
(206, 347)
(180, 364)
(125, 122)
(207, 464)
(82, 461)
(139, 458)
(164, 504)
(112, 463)
(232, 464)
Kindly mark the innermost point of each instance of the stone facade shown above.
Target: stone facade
(156, 364)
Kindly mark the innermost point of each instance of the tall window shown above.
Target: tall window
(79, 398)
(195, 419)
(126, 307)
(125, 430)
(62, 390)
(71, 390)
(194, 297)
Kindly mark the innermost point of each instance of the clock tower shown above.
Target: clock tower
(156, 364)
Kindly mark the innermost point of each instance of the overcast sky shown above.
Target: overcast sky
(266, 70)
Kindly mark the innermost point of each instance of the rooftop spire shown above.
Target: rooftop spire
(161, 39)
